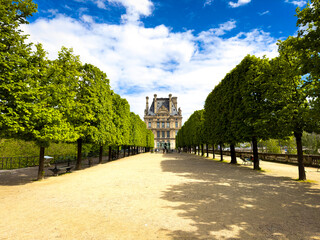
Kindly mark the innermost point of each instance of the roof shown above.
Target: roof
(163, 106)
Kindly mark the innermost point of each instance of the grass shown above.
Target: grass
(305, 181)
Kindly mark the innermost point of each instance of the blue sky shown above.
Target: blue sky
(183, 47)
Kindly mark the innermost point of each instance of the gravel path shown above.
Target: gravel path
(155, 196)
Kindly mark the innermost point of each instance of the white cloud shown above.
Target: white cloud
(135, 8)
(143, 61)
(239, 3)
(223, 28)
(87, 18)
(208, 2)
(299, 3)
(100, 4)
(264, 13)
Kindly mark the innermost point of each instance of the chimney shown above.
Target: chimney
(147, 105)
(170, 103)
(155, 103)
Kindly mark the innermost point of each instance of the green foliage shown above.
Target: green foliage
(95, 100)
(270, 146)
(14, 69)
(138, 135)
(307, 41)
(20, 148)
(192, 132)
(311, 143)
(121, 120)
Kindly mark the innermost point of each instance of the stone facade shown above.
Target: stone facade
(164, 118)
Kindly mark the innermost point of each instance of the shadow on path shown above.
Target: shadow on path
(23, 176)
(227, 201)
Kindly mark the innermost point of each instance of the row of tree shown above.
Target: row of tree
(59, 100)
(265, 98)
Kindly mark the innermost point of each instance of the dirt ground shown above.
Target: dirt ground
(156, 196)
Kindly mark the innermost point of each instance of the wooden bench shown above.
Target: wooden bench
(56, 169)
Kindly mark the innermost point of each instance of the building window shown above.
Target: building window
(168, 125)
(162, 124)
(158, 125)
(149, 124)
(163, 134)
(158, 145)
(176, 124)
(158, 134)
(168, 134)
(176, 132)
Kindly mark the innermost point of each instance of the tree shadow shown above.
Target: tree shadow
(24, 176)
(227, 201)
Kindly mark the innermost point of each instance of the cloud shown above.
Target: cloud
(100, 4)
(239, 3)
(142, 61)
(299, 3)
(208, 2)
(87, 18)
(264, 13)
(135, 8)
(223, 28)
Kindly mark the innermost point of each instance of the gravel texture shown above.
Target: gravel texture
(161, 196)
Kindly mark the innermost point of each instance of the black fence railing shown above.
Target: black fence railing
(9, 163)
(309, 160)
(18, 162)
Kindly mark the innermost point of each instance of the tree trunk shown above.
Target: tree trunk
(202, 150)
(118, 152)
(207, 149)
(79, 155)
(110, 154)
(302, 173)
(100, 154)
(233, 154)
(221, 154)
(41, 164)
(256, 164)
(213, 154)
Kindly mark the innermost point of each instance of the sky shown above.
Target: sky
(147, 47)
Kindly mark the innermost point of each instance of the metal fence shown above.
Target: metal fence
(9, 163)
(309, 160)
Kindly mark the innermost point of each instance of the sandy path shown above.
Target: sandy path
(155, 196)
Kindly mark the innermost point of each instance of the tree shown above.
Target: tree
(121, 120)
(96, 98)
(14, 55)
(308, 37)
(306, 44)
(215, 122)
(292, 91)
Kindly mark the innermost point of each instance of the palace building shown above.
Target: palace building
(164, 118)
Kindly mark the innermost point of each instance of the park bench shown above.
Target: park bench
(246, 161)
(47, 160)
(56, 169)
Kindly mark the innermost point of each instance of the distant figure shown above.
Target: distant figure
(165, 149)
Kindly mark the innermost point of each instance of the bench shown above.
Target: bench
(47, 160)
(246, 161)
(56, 169)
